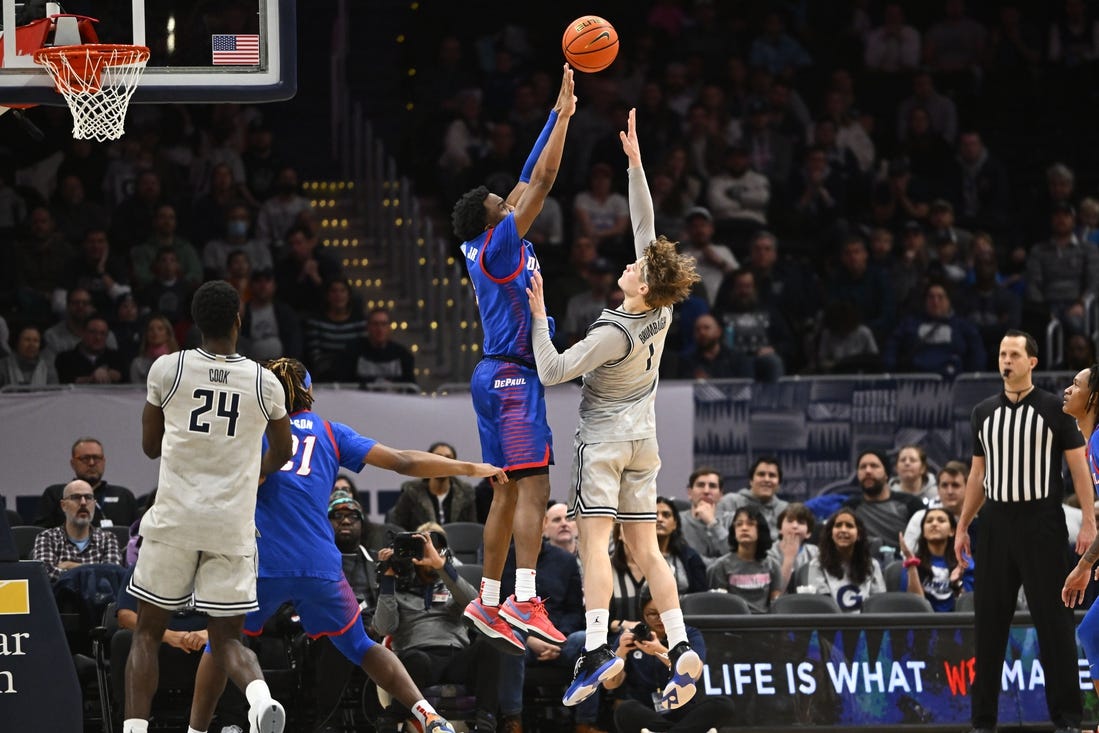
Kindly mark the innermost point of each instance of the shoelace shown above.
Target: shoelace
(539, 608)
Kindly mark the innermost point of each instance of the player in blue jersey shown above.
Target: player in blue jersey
(298, 559)
(507, 396)
(1082, 402)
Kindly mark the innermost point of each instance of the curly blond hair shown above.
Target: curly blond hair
(669, 275)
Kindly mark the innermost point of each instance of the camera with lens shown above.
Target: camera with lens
(408, 546)
(642, 632)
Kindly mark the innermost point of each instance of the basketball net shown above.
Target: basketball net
(97, 82)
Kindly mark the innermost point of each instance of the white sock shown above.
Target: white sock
(524, 584)
(490, 592)
(258, 693)
(596, 622)
(192, 730)
(135, 725)
(674, 626)
(422, 710)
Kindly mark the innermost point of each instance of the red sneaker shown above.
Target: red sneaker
(531, 617)
(489, 622)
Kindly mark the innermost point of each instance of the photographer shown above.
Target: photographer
(643, 646)
(420, 607)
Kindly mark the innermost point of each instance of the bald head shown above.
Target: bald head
(78, 503)
(558, 528)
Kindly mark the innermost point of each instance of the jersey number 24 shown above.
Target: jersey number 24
(227, 408)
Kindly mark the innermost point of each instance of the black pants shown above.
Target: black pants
(475, 666)
(697, 717)
(331, 673)
(1024, 543)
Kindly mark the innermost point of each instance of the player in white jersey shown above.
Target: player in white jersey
(205, 416)
(615, 455)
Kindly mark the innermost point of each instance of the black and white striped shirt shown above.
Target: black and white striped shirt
(1023, 445)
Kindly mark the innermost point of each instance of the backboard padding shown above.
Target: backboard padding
(180, 36)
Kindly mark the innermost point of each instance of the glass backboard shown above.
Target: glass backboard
(200, 50)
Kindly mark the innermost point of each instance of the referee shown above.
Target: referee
(1019, 437)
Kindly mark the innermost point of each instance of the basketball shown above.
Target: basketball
(590, 43)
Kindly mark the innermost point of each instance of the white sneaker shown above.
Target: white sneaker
(270, 718)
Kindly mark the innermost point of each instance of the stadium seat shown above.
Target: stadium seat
(24, 539)
(800, 603)
(464, 539)
(471, 572)
(709, 603)
(122, 534)
(455, 702)
(964, 603)
(896, 602)
(101, 644)
(801, 576)
(892, 573)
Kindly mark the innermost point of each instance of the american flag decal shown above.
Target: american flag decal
(235, 49)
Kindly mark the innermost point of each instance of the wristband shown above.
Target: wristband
(911, 562)
(536, 151)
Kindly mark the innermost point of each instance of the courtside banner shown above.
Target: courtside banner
(868, 672)
(38, 685)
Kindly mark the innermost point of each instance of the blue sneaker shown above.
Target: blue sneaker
(686, 669)
(438, 724)
(592, 668)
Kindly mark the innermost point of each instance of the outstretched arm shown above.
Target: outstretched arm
(641, 201)
(530, 200)
(429, 465)
(599, 346)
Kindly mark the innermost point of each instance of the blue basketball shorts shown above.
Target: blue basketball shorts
(325, 607)
(510, 404)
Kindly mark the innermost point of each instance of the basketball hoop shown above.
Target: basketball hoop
(97, 81)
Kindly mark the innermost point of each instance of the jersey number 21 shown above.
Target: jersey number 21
(306, 444)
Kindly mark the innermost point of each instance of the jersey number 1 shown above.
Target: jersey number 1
(228, 404)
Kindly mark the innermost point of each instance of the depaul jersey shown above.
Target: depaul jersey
(216, 409)
(1093, 458)
(500, 265)
(295, 536)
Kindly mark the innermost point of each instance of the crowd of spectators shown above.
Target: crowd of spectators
(890, 530)
(103, 245)
(866, 186)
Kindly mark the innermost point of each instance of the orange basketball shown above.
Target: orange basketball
(590, 43)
